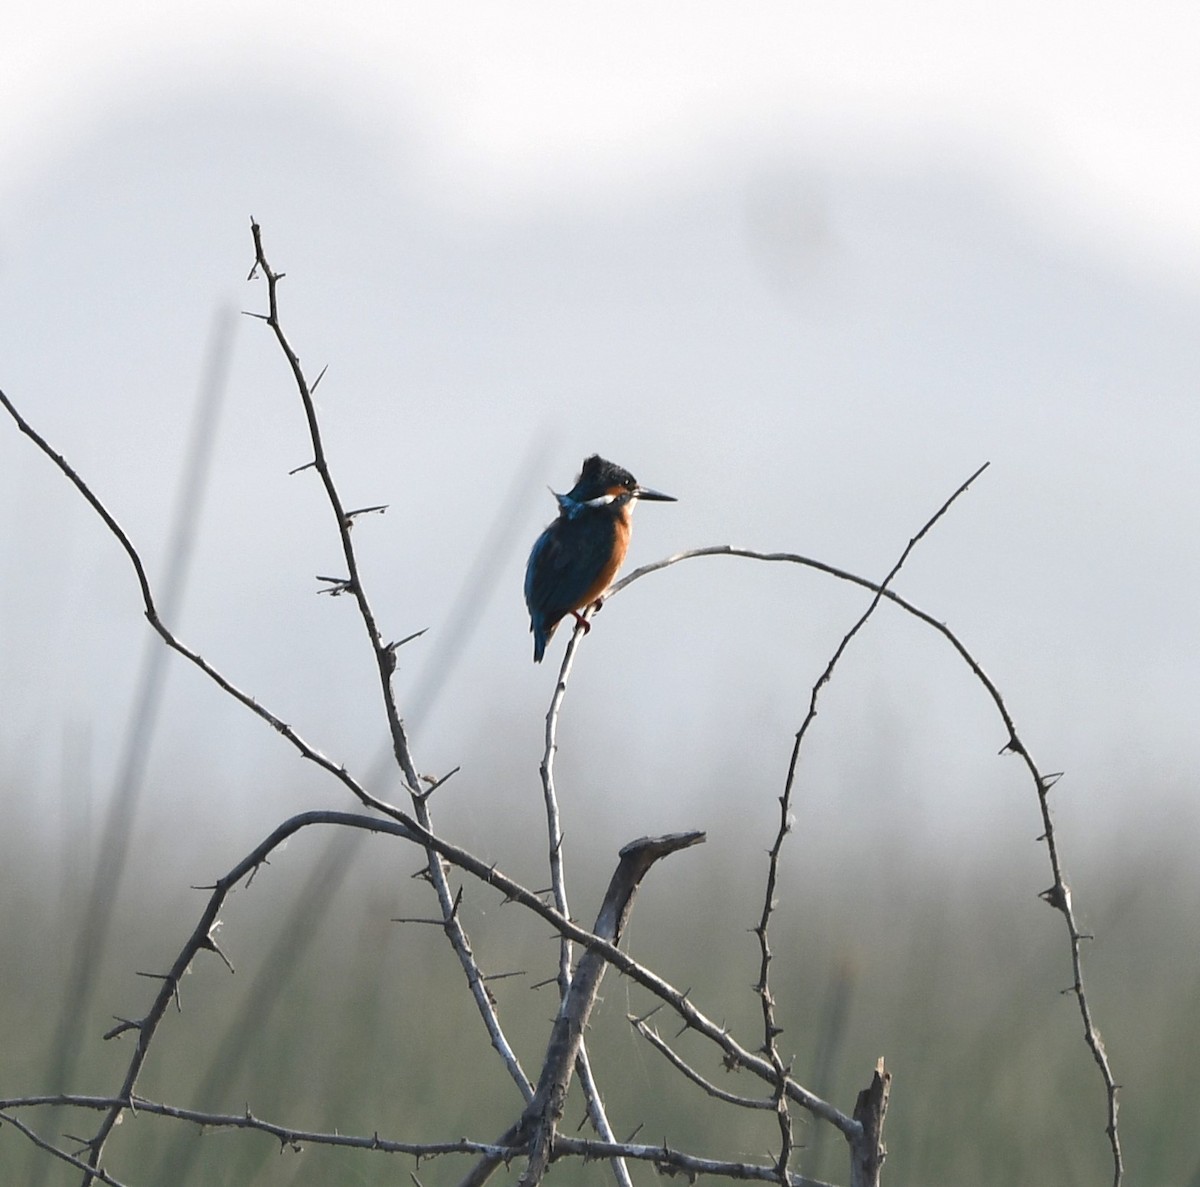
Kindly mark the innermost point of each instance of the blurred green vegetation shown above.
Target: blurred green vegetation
(339, 1019)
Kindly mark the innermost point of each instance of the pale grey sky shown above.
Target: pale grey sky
(1096, 108)
(804, 268)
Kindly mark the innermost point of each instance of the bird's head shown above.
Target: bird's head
(601, 484)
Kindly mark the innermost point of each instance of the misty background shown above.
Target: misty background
(803, 269)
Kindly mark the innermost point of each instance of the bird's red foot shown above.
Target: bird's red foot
(583, 622)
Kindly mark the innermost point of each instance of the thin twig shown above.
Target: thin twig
(287, 1135)
(51, 1148)
(661, 1045)
(200, 940)
(771, 1028)
(320, 462)
(670, 1161)
(385, 661)
(558, 880)
(309, 752)
(664, 1157)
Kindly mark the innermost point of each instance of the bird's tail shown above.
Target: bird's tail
(541, 636)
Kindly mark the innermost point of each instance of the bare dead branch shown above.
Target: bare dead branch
(287, 1136)
(535, 1136)
(596, 1113)
(433, 784)
(558, 881)
(694, 1019)
(309, 752)
(537, 1129)
(734, 1053)
(490, 875)
(62, 1155)
(385, 661)
(378, 509)
(335, 586)
(395, 646)
(587, 1080)
(199, 941)
(664, 1158)
(400, 745)
(771, 1028)
(1042, 784)
(868, 1153)
(542, 1115)
(661, 1045)
(668, 1161)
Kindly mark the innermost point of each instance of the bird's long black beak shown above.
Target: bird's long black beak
(653, 496)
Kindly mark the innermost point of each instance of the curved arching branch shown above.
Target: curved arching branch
(1058, 894)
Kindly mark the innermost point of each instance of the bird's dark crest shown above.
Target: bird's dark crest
(599, 475)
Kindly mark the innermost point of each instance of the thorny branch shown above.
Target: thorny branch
(72, 1160)
(664, 1158)
(771, 1028)
(309, 752)
(1058, 895)
(536, 1134)
(664, 1048)
(203, 938)
(734, 1053)
(384, 657)
(385, 660)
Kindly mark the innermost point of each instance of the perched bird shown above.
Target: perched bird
(578, 555)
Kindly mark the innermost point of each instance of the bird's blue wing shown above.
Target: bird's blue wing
(563, 568)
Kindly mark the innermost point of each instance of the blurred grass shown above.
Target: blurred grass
(952, 972)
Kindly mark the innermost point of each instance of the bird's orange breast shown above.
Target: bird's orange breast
(621, 530)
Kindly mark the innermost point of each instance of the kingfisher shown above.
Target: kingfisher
(578, 555)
